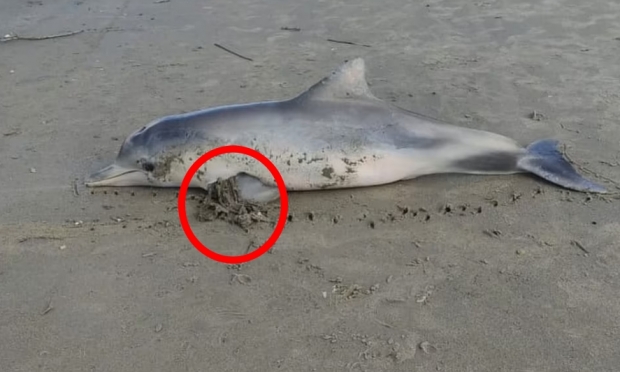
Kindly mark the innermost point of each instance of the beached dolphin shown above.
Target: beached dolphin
(336, 134)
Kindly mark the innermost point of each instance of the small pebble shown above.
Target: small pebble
(62, 247)
(537, 116)
(243, 279)
(427, 348)
(32, 170)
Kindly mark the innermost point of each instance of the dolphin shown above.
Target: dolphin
(335, 134)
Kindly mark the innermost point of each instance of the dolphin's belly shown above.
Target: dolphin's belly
(328, 169)
(337, 170)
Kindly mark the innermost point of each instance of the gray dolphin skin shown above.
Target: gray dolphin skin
(336, 134)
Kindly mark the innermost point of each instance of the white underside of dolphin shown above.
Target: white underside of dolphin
(336, 134)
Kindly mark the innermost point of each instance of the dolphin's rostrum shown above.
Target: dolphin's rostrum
(336, 134)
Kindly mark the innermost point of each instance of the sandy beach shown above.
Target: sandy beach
(441, 273)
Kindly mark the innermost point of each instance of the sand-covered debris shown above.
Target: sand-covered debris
(222, 202)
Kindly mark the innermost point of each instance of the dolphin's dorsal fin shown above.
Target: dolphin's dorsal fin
(348, 81)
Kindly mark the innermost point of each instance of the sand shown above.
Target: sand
(443, 273)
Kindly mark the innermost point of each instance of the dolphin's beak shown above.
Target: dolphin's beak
(116, 175)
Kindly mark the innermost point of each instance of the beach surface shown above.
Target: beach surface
(442, 273)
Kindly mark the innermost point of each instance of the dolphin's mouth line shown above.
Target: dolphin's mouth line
(93, 182)
(116, 175)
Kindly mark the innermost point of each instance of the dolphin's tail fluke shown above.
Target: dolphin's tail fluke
(543, 159)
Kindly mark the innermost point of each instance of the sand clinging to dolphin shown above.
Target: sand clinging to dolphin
(336, 134)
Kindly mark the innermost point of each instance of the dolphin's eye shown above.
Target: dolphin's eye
(148, 166)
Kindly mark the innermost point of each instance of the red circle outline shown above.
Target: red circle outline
(283, 205)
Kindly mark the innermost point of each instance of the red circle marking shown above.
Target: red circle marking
(283, 204)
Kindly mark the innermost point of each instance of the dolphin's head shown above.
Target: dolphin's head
(146, 158)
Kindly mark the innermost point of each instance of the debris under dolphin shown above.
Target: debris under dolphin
(222, 202)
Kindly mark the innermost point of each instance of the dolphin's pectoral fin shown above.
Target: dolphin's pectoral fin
(545, 160)
(254, 190)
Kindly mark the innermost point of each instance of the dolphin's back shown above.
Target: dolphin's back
(318, 144)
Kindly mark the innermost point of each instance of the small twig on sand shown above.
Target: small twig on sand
(383, 323)
(580, 246)
(568, 129)
(42, 237)
(250, 245)
(231, 52)
(48, 307)
(75, 188)
(348, 42)
(161, 1)
(295, 29)
(13, 132)
(12, 37)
